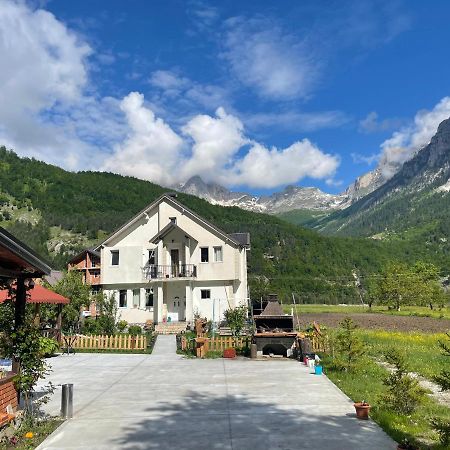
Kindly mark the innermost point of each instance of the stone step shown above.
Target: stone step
(170, 328)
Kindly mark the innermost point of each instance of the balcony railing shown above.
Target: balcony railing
(152, 271)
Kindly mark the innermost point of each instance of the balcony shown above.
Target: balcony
(157, 272)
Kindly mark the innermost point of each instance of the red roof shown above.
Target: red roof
(39, 294)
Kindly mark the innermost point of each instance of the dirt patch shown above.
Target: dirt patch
(379, 321)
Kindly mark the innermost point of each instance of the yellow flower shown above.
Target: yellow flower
(29, 435)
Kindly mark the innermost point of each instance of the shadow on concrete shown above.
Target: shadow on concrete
(237, 422)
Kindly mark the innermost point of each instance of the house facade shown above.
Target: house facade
(167, 264)
(88, 264)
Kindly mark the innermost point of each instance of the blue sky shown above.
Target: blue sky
(254, 95)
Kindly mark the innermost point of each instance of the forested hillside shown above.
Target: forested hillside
(58, 212)
(413, 206)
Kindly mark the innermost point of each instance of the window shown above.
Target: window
(149, 295)
(122, 298)
(136, 298)
(218, 257)
(93, 263)
(114, 257)
(95, 289)
(204, 254)
(173, 220)
(205, 294)
(152, 257)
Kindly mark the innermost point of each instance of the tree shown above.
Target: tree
(71, 286)
(428, 290)
(443, 379)
(349, 346)
(404, 393)
(394, 288)
(236, 319)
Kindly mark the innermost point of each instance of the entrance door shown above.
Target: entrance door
(175, 261)
(179, 308)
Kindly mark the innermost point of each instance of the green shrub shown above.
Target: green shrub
(91, 326)
(121, 325)
(404, 394)
(349, 346)
(442, 427)
(134, 330)
(48, 346)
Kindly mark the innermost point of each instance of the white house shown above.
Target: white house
(168, 264)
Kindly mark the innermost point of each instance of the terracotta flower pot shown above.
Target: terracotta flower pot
(229, 353)
(362, 410)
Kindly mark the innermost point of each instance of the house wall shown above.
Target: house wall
(133, 244)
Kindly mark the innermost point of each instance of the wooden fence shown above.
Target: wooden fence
(223, 342)
(320, 344)
(100, 342)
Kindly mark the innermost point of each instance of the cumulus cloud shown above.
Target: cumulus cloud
(45, 111)
(277, 64)
(404, 144)
(267, 168)
(151, 151)
(214, 147)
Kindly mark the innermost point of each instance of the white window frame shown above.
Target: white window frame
(115, 252)
(220, 248)
(201, 294)
(138, 304)
(207, 249)
(126, 298)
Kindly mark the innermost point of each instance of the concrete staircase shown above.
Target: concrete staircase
(170, 327)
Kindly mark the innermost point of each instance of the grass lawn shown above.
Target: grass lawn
(423, 357)
(419, 311)
(367, 385)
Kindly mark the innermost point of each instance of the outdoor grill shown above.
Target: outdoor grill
(274, 330)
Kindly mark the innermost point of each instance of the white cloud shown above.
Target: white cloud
(297, 121)
(218, 145)
(358, 158)
(45, 111)
(278, 65)
(372, 124)
(151, 151)
(404, 144)
(262, 167)
(216, 140)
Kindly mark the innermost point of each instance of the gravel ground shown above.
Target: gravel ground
(379, 321)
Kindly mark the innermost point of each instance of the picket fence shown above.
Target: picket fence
(104, 342)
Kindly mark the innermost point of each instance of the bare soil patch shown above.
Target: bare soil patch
(379, 321)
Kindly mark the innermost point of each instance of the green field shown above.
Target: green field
(423, 356)
(418, 311)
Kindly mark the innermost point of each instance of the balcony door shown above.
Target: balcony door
(175, 262)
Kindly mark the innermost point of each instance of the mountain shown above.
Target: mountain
(291, 198)
(414, 203)
(57, 212)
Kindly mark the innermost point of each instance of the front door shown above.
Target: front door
(179, 308)
(175, 262)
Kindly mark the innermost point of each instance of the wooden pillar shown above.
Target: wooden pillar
(19, 304)
(59, 323)
(37, 314)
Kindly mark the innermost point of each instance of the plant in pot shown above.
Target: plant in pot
(362, 410)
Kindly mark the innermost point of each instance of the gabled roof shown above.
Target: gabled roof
(16, 258)
(166, 230)
(171, 200)
(90, 250)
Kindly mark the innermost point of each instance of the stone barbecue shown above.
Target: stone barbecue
(274, 330)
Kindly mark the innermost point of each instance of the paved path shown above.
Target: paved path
(165, 401)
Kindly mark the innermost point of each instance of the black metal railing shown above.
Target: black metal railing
(153, 271)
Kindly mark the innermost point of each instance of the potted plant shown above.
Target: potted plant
(362, 410)
(406, 445)
(229, 353)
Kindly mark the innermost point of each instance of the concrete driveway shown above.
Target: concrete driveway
(164, 401)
